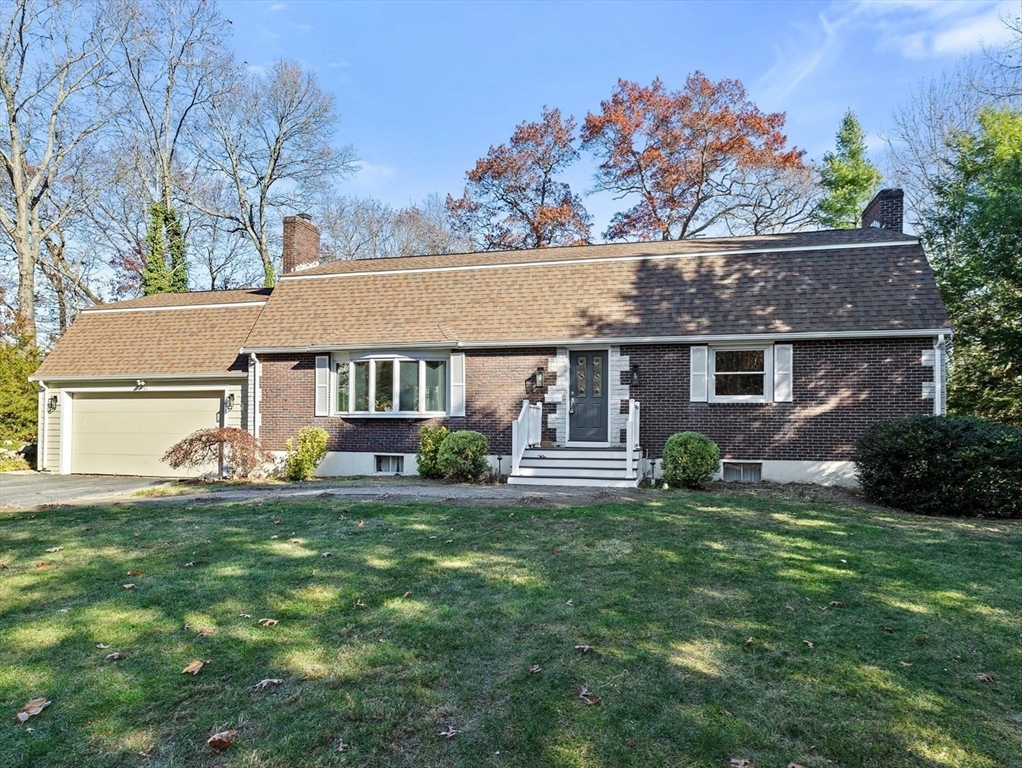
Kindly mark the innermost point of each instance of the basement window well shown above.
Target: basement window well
(390, 465)
(742, 472)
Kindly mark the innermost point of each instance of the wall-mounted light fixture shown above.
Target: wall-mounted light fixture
(139, 384)
(538, 376)
(634, 377)
(51, 403)
(229, 402)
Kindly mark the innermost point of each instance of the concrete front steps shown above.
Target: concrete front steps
(589, 467)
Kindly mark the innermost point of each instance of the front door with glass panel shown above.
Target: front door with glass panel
(587, 390)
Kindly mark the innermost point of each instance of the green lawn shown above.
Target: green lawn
(732, 626)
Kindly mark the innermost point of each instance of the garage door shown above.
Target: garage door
(127, 433)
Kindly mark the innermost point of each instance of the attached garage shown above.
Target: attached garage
(127, 433)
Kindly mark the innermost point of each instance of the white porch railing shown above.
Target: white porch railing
(632, 437)
(526, 431)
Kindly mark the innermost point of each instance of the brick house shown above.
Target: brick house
(576, 363)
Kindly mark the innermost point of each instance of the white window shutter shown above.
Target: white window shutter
(457, 384)
(697, 382)
(322, 385)
(782, 373)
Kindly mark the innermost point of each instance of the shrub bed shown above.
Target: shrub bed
(301, 460)
(690, 459)
(462, 456)
(427, 459)
(938, 465)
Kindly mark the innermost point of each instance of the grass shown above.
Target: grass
(699, 609)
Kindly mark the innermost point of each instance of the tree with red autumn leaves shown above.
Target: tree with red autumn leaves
(686, 154)
(513, 198)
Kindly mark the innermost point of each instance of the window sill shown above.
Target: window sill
(741, 400)
(399, 415)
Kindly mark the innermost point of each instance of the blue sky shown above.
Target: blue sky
(425, 88)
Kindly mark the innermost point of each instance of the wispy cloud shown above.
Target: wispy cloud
(277, 7)
(807, 50)
(919, 30)
(301, 27)
(338, 64)
(372, 176)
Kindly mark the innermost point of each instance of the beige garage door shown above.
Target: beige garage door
(127, 433)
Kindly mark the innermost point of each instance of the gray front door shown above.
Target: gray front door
(587, 407)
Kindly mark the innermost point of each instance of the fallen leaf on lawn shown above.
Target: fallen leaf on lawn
(905, 663)
(885, 628)
(193, 668)
(128, 586)
(268, 622)
(146, 752)
(267, 683)
(343, 746)
(795, 765)
(42, 565)
(359, 604)
(135, 572)
(587, 696)
(837, 604)
(32, 707)
(362, 524)
(222, 740)
(449, 731)
(63, 610)
(275, 536)
(749, 641)
(115, 656)
(408, 594)
(789, 606)
(327, 554)
(570, 602)
(102, 645)
(54, 549)
(583, 648)
(740, 762)
(3, 566)
(808, 642)
(205, 632)
(921, 639)
(534, 669)
(192, 563)
(986, 677)
(245, 615)
(277, 522)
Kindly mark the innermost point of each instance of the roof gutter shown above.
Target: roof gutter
(137, 376)
(615, 340)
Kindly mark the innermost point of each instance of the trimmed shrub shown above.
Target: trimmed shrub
(940, 465)
(690, 459)
(462, 456)
(427, 457)
(301, 461)
(241, 453)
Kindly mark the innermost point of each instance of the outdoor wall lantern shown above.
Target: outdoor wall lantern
(51, 404)
(229, 402)
(634, 378)
(537, 377)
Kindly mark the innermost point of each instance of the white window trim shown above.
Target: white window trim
(372, 358)
(768, 374)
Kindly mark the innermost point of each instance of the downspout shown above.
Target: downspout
(254, 362)
(44, 428)
(939, 382)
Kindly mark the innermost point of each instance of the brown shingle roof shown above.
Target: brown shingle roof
(627, 291)
(152, 342)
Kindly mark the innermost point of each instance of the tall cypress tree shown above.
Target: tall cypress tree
(850, 180)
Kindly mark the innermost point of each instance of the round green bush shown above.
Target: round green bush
(462, 456)
(301, 461)
(940, 465)
(690, 459)
(427, 458)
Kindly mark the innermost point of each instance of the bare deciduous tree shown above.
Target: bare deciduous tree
(55, 73)
(771, 200)
(271, 137)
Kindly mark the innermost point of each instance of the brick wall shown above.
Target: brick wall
(886, 210)
(496, 382)
(839, 389)
(301, 243)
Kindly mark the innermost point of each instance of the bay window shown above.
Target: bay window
(391, 386)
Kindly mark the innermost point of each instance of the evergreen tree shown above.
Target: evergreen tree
(164, 238)
(848, 178)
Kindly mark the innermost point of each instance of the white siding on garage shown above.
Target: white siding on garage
(127, 433)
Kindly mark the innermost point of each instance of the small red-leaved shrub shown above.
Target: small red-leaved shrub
(241, 453)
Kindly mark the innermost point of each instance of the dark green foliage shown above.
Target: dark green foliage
(462, 456)
(690, 459)
(938, 465)
(301, 461)
(19, 359)
(427, 457)
(164, 240)
(972, 235)
(848, 178)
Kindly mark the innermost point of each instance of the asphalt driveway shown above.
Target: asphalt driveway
(30, 489)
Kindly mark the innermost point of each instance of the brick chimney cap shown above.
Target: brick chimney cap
(306, 216)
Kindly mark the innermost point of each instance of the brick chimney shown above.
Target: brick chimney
(301, 243)
(885, 211)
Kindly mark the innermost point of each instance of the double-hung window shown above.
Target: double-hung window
(759, 373)
(392, 386)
